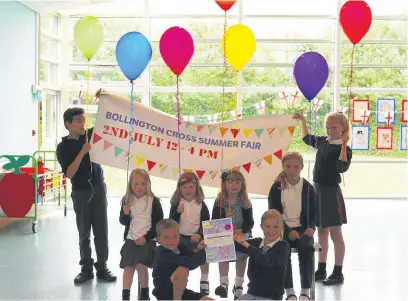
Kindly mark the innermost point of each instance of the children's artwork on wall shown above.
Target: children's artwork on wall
(359, 107)
(404, 137)
(404, 110)
(386, 111)
(384, 138)
(360, 138)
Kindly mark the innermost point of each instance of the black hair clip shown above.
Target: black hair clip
(224, 176)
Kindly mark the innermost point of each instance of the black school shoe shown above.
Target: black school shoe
(334, 279)
(222, 291)
(320, 275)
(84, 276)
(204, 288)
(106, 275)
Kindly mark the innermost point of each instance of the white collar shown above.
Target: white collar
(297, 185)
(268, 245)
(336, 141)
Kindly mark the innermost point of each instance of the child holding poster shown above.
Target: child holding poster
(233, 202)
(189, 210)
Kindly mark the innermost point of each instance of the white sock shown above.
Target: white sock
(224, 280)
(305, 291)
(239, 281)
(204, 286)
(204, 277)
(290, 291)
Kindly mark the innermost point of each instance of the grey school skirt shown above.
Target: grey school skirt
(133, 254)
(331, 209)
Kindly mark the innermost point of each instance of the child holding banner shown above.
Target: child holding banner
(333, 157)
(189, 210)
(293, 197)
(233, 202)
(140, 212)
(268, 258)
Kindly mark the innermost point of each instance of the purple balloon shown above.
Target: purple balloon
(311, 72)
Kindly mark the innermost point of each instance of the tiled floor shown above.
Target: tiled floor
(43, 265)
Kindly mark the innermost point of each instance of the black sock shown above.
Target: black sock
(337, 270)
(321, 266)
(144, 293)
(126, 294)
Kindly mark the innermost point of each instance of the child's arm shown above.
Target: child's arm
(174, 214)
(205, 216)
(276, 256)
(311, 140)
(189, 262)
(124, 218)
(302, 119)
(274, 198)
(312, 208)
(344, 161)
(157, 215)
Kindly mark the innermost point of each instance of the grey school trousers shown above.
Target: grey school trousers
(90, 208)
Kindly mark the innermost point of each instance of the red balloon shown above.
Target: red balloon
(225, 4)
(355, 19)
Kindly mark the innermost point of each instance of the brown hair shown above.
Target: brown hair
(281, 177)
(129, 197)
(272, 213)
(192, 178)
(243, 194)
(165, 224)
(342, 119)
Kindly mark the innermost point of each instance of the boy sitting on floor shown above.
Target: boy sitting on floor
(173, 263)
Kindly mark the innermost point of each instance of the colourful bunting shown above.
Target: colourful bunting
(200, 127)
(106, 145)
(162, 167)
(187, 170)
(150, 164)
(247, 167)
(270, 130)
(200, 173)
(259, 132)
(247, 132)
(139, 160)
(96, 138)
(213, 173)
(223, 131)
(235, 132)
(268, 159)
(118, 151)
(278, 154)
(291, 129)
(211, 128)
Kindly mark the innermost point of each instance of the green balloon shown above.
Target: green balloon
(88, 36)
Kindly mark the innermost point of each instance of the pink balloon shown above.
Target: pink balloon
(176, 48)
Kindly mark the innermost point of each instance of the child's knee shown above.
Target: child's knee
(180, 276)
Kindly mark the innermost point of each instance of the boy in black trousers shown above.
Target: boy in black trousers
(173, 263)
(88, 195)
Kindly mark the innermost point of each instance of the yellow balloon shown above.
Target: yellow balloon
(88, 36)
(239, 45)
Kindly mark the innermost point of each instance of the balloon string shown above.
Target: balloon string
(223, 101)
(351, 94)
(88, 77)
(131, 125)
(178, 123)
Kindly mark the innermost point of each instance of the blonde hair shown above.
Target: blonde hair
(129, 197)
(272, 213)
(199, 197)
(165, 224)
(342, 119)
(281, 177)
(243, 194)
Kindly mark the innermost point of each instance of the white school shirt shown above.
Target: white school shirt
(141, 214)
(190, 218)
(291, 198)
(270, 245)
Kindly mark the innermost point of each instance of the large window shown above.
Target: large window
(49, 51)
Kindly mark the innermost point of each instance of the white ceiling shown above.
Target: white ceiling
(66, 7)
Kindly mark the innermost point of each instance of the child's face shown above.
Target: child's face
(233, 185)
(188, 191)
(77, 126)
(169, 238)
(139, 186)
(292, 168)
(334, 129)
(271, 229)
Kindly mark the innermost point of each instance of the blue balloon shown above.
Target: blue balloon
(311, 72)
(133, 54)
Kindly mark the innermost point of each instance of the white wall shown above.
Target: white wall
(18, 57)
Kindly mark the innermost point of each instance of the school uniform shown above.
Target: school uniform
(266, 269)
(190, 221)
(242, 218)
(297, 205)
(166, 263)
(146, 212)
(326, 177)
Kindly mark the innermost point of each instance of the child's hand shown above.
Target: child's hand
(201, 245)
(98, 93)
(126, 209)
(140, 241)
(299, 116)
(228, 213)
(239, 239)
(309, 232)
(346, 138)
(180, 208)
(195, 238)
(86, 148)
(237, 232)
(293, 235)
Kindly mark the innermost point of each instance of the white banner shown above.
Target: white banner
(253, 145)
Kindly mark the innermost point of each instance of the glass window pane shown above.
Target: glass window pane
(188, 7)
(289, 7)
(49, 24)
(285, 28)
(48, 73)
(49, 47)
(194, 76)
(111, 8)
(375, 54)
(385, 30)
(198, 28)
(106, 53)
(76, 98)
(372, 97)
(289, 52)
(102, 74)
(388, 8)
(376, 77)
(195, 103)
(273, 77)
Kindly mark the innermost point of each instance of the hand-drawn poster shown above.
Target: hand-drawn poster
(219, 238)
